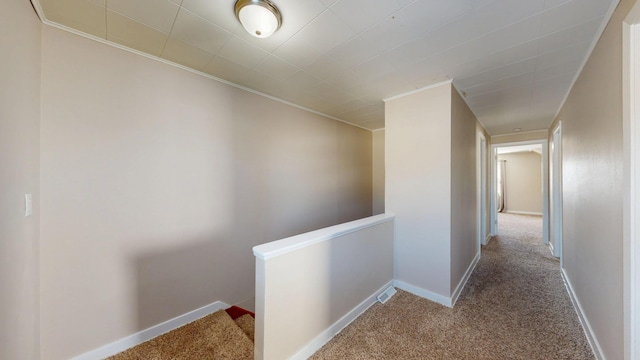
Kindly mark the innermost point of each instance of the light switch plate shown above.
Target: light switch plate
(28, 204)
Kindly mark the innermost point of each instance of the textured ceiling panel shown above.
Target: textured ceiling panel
(514, 59)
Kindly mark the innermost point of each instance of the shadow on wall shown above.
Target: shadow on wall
(174, 281)
(280, 179)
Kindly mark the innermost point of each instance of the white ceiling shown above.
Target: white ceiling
(537, 148)
(514, 59)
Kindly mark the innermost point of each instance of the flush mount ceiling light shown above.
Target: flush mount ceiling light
(259, 17)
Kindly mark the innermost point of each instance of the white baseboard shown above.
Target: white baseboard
(334, 329)
(593, 341)
(148, 334)
(523, 212)
(465, 278)
(440, 299)
(423, 293)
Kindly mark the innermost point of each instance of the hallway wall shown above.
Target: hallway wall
(464, 216)
(430, 151)
(592, 162)
(418, 187)
(19, 175)
(523, 182)
(157, 182)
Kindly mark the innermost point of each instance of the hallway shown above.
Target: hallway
(515, 306)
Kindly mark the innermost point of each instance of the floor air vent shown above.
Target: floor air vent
(387, 294)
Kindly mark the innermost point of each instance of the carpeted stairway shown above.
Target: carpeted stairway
(223, 335)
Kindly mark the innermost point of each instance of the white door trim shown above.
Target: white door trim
(556, 192)
(481, 188)
(545, 184)
(631, 198)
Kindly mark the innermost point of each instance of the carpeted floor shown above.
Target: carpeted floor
(515, 306)
(214, 337)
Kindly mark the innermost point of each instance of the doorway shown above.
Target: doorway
(481, 191)
(543, 146)
(555, 242)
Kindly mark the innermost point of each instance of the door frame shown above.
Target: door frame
(631, 187)
(555, 182)
(481, 188)
(545, 184)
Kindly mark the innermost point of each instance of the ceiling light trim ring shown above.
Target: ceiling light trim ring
(266, 4)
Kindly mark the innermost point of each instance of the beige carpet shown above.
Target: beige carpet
(515, 306)
(215, 336)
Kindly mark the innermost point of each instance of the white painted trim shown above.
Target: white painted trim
(555, 192)
(493, 213)
(631, 192)
(463, 96)
(489, 237)
(319, 341)
(628, 199)
(535, 213)
(464, 280)
(481, 188)
(38, 8)
(493, 188)
(148, 334)
(376, 130)
(522, 132)
(603, 26)
(588, 331)
(280, 247)
(450, 81)
(423, 293)
(45, 21)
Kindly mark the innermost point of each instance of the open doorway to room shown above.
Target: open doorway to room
(519, 185)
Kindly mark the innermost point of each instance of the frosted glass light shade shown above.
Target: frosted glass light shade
(259, 17)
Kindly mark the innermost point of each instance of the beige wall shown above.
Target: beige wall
(340, 273)
(430, 155)
(19, 175)
(517, 137)
(523, 182)
(418, 186)
(464, 216)
(157, 182)
(592, 161)
(378, 172)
